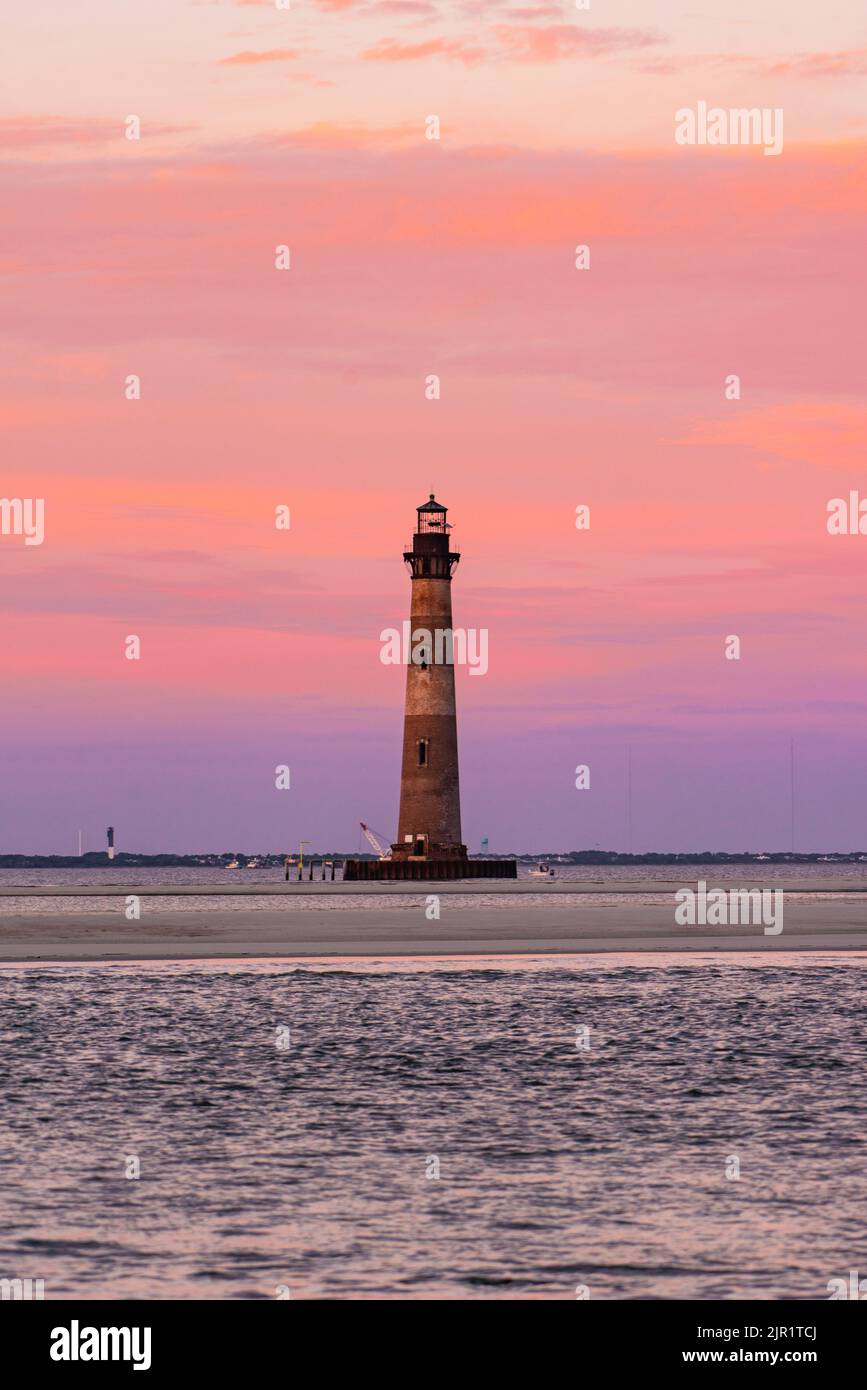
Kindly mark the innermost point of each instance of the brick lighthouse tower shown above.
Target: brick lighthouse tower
(428, 844)
(429, 823)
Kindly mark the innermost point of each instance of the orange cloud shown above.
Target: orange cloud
(822, 434)
(328, 135)
(269, 55)
(530, 12)
(410, 7)
(390, 50)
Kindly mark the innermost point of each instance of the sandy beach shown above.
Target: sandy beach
(510, 928)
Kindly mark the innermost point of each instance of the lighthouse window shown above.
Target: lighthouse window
(422, 752)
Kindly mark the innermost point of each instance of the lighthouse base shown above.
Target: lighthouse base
(426, 870)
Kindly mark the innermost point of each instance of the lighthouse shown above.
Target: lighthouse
(429, 844)
(429, 822)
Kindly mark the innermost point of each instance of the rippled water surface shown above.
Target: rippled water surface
(558, 1166)
(608, 882)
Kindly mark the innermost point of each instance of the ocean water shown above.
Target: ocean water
(308, 1167)
(608, 883)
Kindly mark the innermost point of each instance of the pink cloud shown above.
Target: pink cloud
(852, 63)
(520, 43)
(320, 4)
(26, 132)
(847, 63)
(526, 44)
(408, 7)
(383, 236)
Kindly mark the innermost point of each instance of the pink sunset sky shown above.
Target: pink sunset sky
(305, 126)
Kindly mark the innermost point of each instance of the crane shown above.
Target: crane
(373, 842)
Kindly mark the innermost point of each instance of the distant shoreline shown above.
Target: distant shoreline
(593, 858)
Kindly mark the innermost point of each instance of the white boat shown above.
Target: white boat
(542, 871)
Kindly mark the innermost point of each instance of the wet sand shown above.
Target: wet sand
(255, 887)
(808, 925)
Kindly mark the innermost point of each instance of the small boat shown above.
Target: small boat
(234, 865)
(542, 871)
